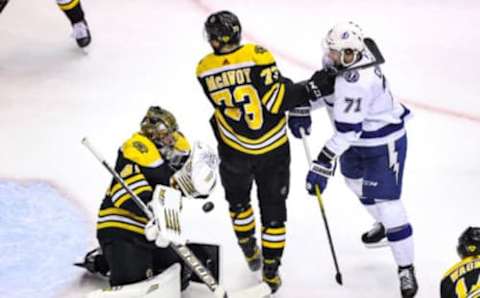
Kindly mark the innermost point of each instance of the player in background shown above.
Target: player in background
(75, 15)
(463, 279)
(152, 159)
(369, 141)
(250, 97)
(73, 10)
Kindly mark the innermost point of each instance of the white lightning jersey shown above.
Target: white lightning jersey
(363, 110)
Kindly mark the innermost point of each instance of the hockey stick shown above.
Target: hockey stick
(3, 3)
(338, 275)
(261, 290)
(371, 48)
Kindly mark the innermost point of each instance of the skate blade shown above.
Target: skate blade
(380, 244)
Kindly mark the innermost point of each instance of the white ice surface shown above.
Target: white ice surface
(145, 52)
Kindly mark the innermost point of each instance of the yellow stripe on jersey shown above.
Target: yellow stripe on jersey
(272, 100)
(127, 196)
(142, 151)
(273, 139)
(124, 226)
(69, 5)
(475, 259)
(122, 212)
(128, 181)
(248, 55)
(279, 100)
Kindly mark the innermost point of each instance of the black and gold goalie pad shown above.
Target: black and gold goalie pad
(462, 280)
(141, 164)
(250, 97)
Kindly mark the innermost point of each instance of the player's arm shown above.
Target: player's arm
(142, 167)
(278, 93)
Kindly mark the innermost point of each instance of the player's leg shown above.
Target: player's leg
(272, 176)
(353, 170)
(237, 178)
(73, 10)
(384, 175)
(129, 262)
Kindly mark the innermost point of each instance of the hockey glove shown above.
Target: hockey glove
(320, 170)
(299, 118)
(321, 84)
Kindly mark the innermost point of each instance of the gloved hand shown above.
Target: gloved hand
(153, 233)
(165, 226)
(299, 118)
(321, 84)
(320, 170)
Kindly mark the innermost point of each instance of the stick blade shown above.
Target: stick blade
(338, 278)
(373, 48)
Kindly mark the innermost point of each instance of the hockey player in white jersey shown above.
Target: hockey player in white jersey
(369, 141)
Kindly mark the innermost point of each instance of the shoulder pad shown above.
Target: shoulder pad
(351, 76)
(181, 142)
(261, 56)
(142, 151)
(203, 64)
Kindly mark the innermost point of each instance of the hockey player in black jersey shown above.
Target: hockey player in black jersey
(153, 158)
(463, 279)
(250, 98)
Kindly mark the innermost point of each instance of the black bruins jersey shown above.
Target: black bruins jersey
(462, 280)
(250, 97)
(142, 166)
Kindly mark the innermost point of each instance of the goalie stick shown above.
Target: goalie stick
(259, 291)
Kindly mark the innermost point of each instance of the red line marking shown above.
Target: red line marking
(308, 66)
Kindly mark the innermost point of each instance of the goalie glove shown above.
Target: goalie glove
(198, 177)
(165, 226)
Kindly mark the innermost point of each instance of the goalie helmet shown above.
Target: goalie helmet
(223, 27)
(345, 38)
(159, 125)
(198, 177)
(469, 242)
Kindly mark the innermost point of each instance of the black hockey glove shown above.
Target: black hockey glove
(321, 84)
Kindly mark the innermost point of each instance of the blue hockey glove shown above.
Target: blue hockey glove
(299, 118)
(320, 170)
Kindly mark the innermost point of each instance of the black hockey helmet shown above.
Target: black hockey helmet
(469, 242)
(159, 125)
(223, 27)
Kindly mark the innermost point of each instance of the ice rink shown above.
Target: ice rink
(145, 52)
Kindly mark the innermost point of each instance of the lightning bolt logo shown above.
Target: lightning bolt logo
(393, 160)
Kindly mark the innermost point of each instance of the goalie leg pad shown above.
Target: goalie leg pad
(164, 285)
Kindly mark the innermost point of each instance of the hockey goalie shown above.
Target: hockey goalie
(158, 166)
